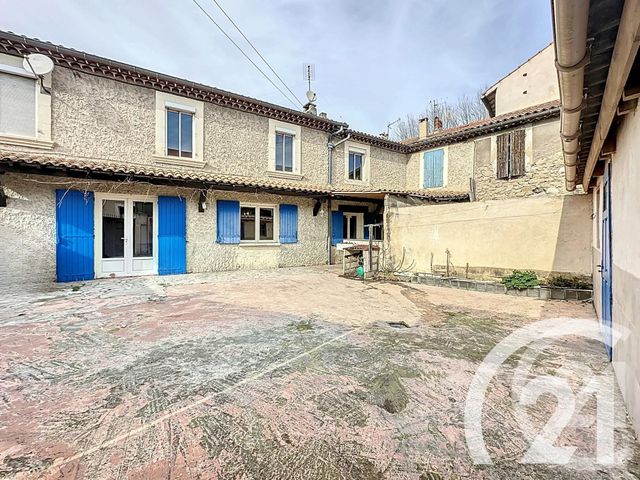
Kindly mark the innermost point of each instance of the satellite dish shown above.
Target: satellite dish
(37, 63)
(311, 96)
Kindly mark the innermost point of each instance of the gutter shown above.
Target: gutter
(570, 19)
(624, 54)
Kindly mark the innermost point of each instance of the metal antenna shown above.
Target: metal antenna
(309, 73)
(391, 124)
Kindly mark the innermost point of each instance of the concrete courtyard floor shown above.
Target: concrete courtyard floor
(287, 374)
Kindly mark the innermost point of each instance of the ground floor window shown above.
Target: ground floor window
(257, 223)
(352, 224)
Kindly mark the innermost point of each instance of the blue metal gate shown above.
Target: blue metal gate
(607, 292)
(74, 235)
(172, 235)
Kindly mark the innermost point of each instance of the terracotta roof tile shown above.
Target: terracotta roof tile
(213, 179)
(549, 108)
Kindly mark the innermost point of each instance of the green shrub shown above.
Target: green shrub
(569, 281)
(521, 280)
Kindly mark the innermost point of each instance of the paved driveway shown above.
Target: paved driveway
(283, 374)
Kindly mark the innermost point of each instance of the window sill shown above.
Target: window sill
(356, 182)
(259, 244)
(182, 162)
(287, 175)
(26, 142)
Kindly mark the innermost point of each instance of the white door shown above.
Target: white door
(126, 235)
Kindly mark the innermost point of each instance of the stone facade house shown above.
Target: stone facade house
(107, 169)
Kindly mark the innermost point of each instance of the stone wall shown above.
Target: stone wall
(544, 165)
(98, 118)
(458, 167)
(387, 169)
(28, 231)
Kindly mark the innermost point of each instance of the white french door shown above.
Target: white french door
(126, 241)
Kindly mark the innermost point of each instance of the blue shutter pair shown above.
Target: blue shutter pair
(75, 235)
(433, 168)
(228, 222)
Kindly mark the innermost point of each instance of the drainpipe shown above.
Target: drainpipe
(330, 147)
(570, 19)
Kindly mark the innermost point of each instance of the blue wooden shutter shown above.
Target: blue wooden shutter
(172, 235)
(433, 168)
(337, 235)
(74, 236)
(228, 221)
(288, 223)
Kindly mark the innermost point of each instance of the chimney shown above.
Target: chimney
(437, 124)
(423, 128)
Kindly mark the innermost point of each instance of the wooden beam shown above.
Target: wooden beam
(609, 146)
(624, 54)
(631, 92)
(627, 107)
(598, 170)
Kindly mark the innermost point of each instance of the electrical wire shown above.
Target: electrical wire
(242, 51)
(259, 54)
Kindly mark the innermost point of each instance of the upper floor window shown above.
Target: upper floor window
(179, 130)
(18, 105)
(284, 149)
(284, 152)
(356, 162)
(179, 133)
(433, 167)
(510, 154)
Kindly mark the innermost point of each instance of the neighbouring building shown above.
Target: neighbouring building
(521, 216)
(596, 49)
(107, 169)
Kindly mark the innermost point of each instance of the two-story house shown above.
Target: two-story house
(107, 169)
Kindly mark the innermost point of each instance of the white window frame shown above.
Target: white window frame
(365, 151)
(166, 102)
(293, 155)
(445, 166)
(276, 224)
(295, 131)
(41, 138)
(359, 218)
(181, 109)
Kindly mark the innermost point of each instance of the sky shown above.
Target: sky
(375, 60)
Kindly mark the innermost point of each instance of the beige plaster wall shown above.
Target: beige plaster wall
(625, 221)
(547, 234)
(27, 229)
(537, 77)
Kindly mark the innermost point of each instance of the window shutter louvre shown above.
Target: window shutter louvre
(228, 221)
(74, 235)
(172, 235)
(517, 153)
(438, 168)
(288, 223)
(337, 235)
(502, 142)
(433, 168)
